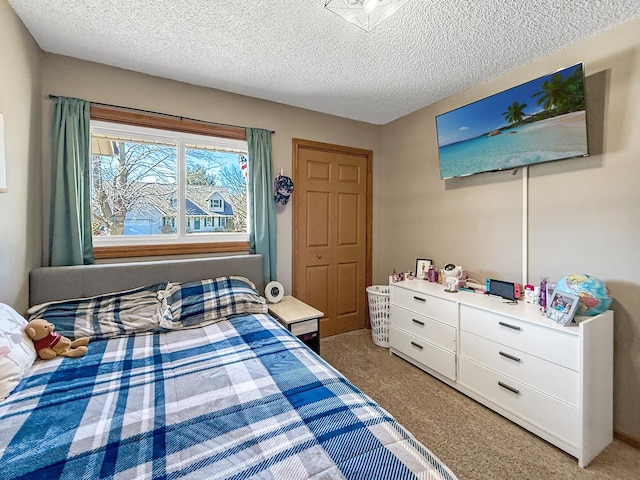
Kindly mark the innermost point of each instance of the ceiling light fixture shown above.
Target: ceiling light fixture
(367, 14)
(369, 5)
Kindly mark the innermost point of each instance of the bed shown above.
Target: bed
(201, 384)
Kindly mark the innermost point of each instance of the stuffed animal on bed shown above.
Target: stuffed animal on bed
(50, 344)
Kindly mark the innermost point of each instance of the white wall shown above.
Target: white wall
(583, 215)
(20, 207)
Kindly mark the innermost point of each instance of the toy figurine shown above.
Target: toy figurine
(50, 344)
(452, 274)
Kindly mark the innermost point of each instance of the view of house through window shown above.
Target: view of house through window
(153, 184)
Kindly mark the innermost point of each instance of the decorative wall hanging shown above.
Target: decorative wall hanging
(283, 188)
(3, 160)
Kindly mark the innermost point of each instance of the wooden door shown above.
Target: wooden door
(332, 232)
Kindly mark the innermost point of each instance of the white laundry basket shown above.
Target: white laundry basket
(379, 314)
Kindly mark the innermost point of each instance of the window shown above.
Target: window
(216, 204)
(147, 184)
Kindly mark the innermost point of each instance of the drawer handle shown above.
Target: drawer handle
(512, 357)
(418, 322)
(508, 325)
(509, 387)
(419, 299)
(417, 345)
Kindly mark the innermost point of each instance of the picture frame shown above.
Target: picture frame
(422, 266)
(3, 160)
(562, 306)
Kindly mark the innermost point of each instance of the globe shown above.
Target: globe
(593, 293)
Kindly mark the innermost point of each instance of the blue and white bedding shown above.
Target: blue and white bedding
(237, 398)
(136, 310)
(197, 303)
(160, 306)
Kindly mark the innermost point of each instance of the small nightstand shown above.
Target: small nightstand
(300, 319)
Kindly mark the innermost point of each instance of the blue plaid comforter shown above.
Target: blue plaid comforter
(241, 398)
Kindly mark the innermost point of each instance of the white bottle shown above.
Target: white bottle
(528, 293)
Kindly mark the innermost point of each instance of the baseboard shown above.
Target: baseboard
(626, 438)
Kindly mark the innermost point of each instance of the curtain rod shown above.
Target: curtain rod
(51, 96)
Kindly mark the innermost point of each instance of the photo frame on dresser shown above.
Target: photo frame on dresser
(422, 267)
(562, 307)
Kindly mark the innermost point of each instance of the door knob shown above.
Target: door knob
(319, 256)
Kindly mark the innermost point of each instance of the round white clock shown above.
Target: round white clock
(273, 292)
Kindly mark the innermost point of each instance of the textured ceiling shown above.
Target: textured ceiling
(298, 53)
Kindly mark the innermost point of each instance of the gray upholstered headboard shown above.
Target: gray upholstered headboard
(58, 283)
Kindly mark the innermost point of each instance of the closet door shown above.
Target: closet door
(332, 232)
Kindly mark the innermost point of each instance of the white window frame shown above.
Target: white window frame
(216, 204)
(181, 139)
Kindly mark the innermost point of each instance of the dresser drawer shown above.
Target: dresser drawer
(438, 308)
(552, 415)
(434, 357)
(423, 327)
(549, 344)
(306, 326)
(550, 378)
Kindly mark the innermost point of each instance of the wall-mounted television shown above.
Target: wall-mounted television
(538, 121)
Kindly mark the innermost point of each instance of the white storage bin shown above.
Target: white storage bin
(379, 314)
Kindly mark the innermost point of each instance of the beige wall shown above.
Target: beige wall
(20, 207)
(474, 221)
(99, 83)
(583, 215)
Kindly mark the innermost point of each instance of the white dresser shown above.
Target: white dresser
(424, 328)
(555, 381)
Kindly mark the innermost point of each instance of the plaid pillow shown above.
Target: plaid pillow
(206, 301)
(109, 315)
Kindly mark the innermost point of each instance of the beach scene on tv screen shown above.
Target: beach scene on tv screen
(538, 121)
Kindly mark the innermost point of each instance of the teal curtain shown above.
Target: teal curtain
(70, 222)
(262, 226)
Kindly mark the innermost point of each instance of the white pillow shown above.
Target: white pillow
(17, 352)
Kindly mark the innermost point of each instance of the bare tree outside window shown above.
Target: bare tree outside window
(122, 184)
(236, 183)
(134, 188)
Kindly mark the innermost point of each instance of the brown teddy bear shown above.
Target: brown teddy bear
(50, 344)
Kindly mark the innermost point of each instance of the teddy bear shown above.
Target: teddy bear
(50, 344)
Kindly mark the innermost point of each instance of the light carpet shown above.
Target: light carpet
(473, 441)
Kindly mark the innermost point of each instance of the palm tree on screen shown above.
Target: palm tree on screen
(555, 93)
(515, 112)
